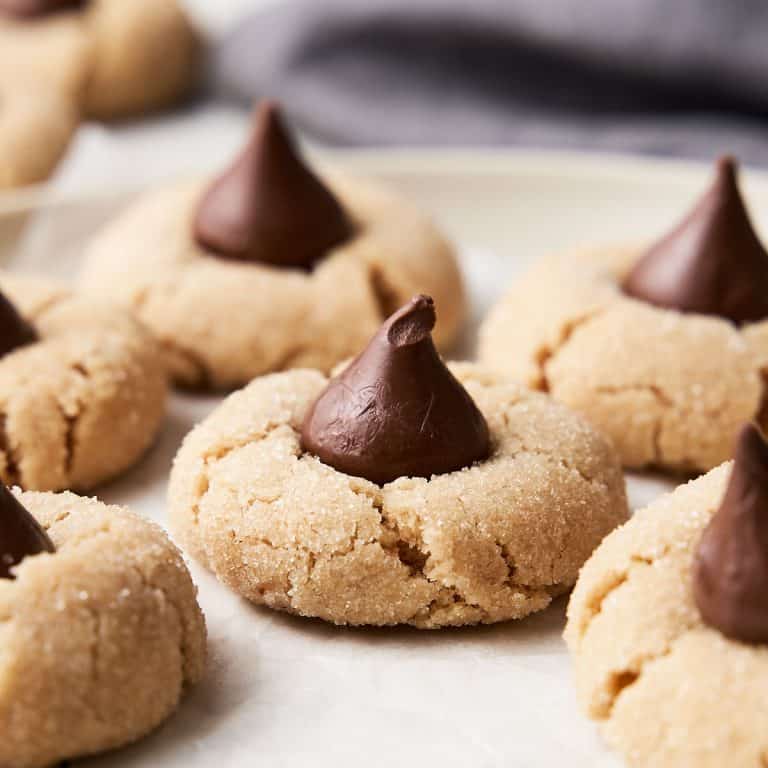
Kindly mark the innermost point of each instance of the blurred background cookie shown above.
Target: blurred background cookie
(270, 266)
(35, 130)
(144, 56)
(116, 59)
(61, 62)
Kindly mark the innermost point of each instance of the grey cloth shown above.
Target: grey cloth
(684, 77)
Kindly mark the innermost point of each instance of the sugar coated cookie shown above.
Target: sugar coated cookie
(664, 349)
(82, 387)
(100, 628)
(270, 267)
(443, 497)
(668, 623)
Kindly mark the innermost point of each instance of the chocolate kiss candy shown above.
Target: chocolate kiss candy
(397, 411)
(269, 206)
(711, 263)
(15, 331)
(730, 571)
(28, 8)
(20, 534)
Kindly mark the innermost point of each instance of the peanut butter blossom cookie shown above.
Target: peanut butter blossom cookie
(668, 623)
(399, 492)
(270, 266)
(100, 632)
(82, 387)
(114, 58)
(663, 349)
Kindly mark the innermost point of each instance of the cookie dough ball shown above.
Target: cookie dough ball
(99, 639)
(85, 400)
(114, 58)
(670, 389)
(222, 322)
(667, 690)
(35, 130)
(494, 541)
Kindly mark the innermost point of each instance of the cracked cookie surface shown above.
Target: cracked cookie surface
(98, 639)
(110, 58)
(492, 542)
(222, 322)
(83, 403)
(671, 390)
(668, 691)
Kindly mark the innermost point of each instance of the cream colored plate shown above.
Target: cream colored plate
(286, 692)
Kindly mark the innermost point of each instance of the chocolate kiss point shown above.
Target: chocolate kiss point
(268, 206)
(730, 570)
(15, 331)
(396, 410)
(20, 534)
(712, 263)
(31, 8)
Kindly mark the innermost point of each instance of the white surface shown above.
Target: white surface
(288, 692)
(216, 16)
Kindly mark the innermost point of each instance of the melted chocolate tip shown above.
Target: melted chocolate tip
(266, 111)
(727, 167)
(413, 323)
(268, 126)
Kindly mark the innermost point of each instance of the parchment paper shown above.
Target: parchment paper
(283, 691)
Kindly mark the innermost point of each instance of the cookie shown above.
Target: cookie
(35, 131)
(83, 398)
(48, 52)
(496, 539)
(655, 664)
(144, 56)
(101, 631)
(669, 374)
(115, 59)
(269, 266)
